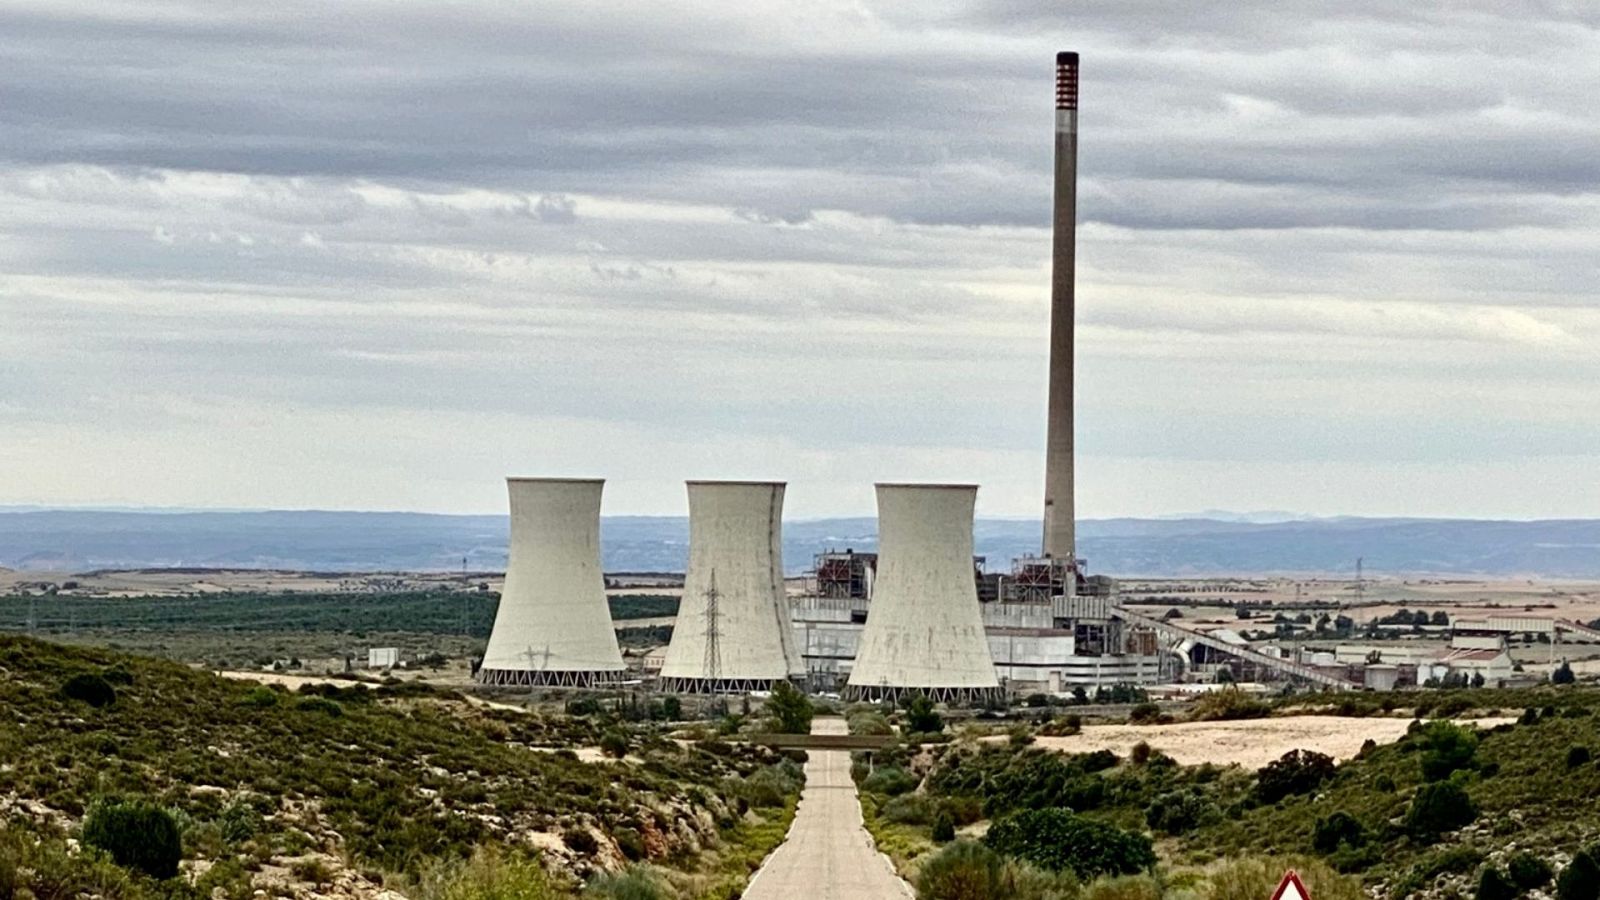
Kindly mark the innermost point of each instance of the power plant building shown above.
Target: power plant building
(553, 627)
(733, 633)
(924, 633)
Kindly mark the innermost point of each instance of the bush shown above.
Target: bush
(1065, 726)
(922, 718)
(1563, 674)
(630, 843)
(239, 822)
(137, 834)
(1294, 773)
(89, 688)
(1339, 828)
(1226, 704)
(260, 697)
(614, 743)
(580, 840)
(1577, 755)
(944, 828)
(1255, 878)
(868, 721)
(1494, 885)
(962, 871)
(1140, 754)
(1446, 748)
(1179, 812)
(908, 809)
(1145, 714)
(488, 875)
(1528, 871)
(1059, 840)
(1439, 808)
(891, 780)
(320, 705)
(791, 711)
(1580, 880)
(632, 883)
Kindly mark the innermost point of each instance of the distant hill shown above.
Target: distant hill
(82, 540)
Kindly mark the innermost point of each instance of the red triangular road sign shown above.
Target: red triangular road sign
(1291, 888)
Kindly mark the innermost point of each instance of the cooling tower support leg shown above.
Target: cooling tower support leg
(530, 678)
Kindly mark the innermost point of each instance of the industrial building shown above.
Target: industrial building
(553, 626)
(925, 634)
(733, 632)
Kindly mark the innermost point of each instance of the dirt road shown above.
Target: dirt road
(828, 854)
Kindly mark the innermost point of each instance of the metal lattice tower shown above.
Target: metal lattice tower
(713, 661)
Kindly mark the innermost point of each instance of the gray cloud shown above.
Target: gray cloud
(607, 235)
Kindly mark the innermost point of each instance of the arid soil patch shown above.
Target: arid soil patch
(1251, 743)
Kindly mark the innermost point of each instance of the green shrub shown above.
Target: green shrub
(1528, 871)
(1180, 812)
(89, 688)
(1145, 714)
(869, 721)
(890, 780)
(1445, 748)
(1439, 808)
(922, 718)
(944, 828)
(1336, 829)
(1294, 773)
(1577, 755)
(630, 842)
(138, 835)
(908, 809)
(614, 743)
(260, 697)
(1227, 704)
(1254, 879)
(963, 870)
(1059, 840)
(239, 822)
(580, 840)
(1140, 754)
(320, 705)
(1580, 880)
(488, 875)
(962, 810)
(632, 883)
(118, 675)
(1494, 885)
(791, 710)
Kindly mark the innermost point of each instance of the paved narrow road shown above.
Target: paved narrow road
(828, 854)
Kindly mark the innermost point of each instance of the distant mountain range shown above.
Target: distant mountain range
(82, 540)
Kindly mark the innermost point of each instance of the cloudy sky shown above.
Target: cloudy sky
(1336, 257)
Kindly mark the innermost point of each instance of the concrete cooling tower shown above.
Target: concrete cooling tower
(924, 632)
(553, 627)
(733, 633)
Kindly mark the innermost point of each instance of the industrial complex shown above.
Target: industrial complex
(920, 614)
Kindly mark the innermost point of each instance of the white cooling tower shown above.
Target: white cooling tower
(553, 627)
(733, 632)
(924, 633)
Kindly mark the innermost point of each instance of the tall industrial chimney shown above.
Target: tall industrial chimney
(1059, 525)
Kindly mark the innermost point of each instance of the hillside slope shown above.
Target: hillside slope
(354, 787)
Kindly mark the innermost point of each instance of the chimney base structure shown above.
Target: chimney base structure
(733, 633)
(553, 627)
(924, 632)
